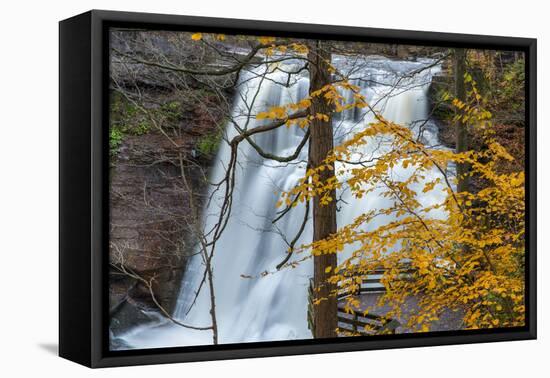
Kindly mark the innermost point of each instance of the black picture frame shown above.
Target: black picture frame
(84, 205)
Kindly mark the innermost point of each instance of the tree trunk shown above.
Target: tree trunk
(324, 216)
(461, 129)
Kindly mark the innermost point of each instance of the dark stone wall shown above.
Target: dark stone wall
(150, 216)
(160, 122)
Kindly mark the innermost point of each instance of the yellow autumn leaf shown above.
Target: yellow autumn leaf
(266, 40)
(262, 115)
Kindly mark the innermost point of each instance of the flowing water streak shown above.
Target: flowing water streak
(273, 307)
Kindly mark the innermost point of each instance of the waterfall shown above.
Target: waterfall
(273, 306)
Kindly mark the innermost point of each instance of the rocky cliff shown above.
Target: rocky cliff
(150, 210)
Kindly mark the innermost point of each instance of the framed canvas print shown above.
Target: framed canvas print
(233, 188)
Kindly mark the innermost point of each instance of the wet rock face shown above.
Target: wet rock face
(151, 213)
(160, 126)
(144, 212)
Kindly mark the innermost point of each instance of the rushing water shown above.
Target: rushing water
(273, 307)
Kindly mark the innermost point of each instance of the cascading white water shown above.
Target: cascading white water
(273, 306)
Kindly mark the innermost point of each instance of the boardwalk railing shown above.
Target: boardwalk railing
(356, 322)
(364, 324)
(369, 284)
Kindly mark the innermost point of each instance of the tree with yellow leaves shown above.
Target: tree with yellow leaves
(470, 261)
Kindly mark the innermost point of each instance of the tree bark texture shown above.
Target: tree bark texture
(324, 216)
(461, 129)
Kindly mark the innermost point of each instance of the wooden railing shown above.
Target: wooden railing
(364, 324)
(357, 322)
(369, 284)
